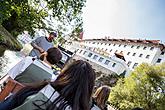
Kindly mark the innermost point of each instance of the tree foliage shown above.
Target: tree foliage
(145, 88)
(19, 15)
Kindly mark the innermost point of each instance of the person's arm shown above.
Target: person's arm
(35, 46)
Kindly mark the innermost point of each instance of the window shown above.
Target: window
(123, 73)
(121, 52)
(95, 57)
(90, 54)
(159, 60)
(132, 46)
(111, 50)
(133, 54)
(138, 47)
(114, 64)
(106, 49)
(140, 55)
(129, 63)
(97, 42)
(107, 62)
(109, 44)
(105, 43)
(114, 44)
(101, 59)
(147, 56)
(84, 52)
(135, 65)
(116, 51)
(80, 51)
(93, 43)
(101, 43)
(144, 48)
(162, 53)
(152, 48)
(119, 45)
(128, 53)
(125, 45)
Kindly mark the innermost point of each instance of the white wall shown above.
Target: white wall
(119, 68)
(153, 54)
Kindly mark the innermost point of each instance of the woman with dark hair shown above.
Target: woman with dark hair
(101, 96)
(71, 90)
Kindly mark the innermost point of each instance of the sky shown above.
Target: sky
(137, 19)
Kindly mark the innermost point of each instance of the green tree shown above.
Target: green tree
(145, 88)
(19, 15)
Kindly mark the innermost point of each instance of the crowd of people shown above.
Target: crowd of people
(70, 89)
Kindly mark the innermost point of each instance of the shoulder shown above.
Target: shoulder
(29, 58)
(39, 38)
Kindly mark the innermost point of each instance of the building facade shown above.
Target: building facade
(135, 52)
(99, 61)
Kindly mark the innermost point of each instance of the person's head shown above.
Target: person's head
(52, 35)
(52, 55)
(75, 83)
(101, 96)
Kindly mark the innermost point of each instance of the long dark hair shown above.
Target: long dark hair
(75, 83)
(101, 96)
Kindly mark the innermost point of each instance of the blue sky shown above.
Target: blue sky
(138, 19)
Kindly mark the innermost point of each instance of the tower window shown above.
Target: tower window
(138, 47)
(159, 60)
(152, 48)
(134, 54)
(114, 64)
(107, 62)
(101, 59)
(135, 65)
(148, 56)
(140, 55)
(144, 48)
(128, 53)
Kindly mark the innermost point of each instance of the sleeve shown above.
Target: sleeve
(19, 67)
(7, 104)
